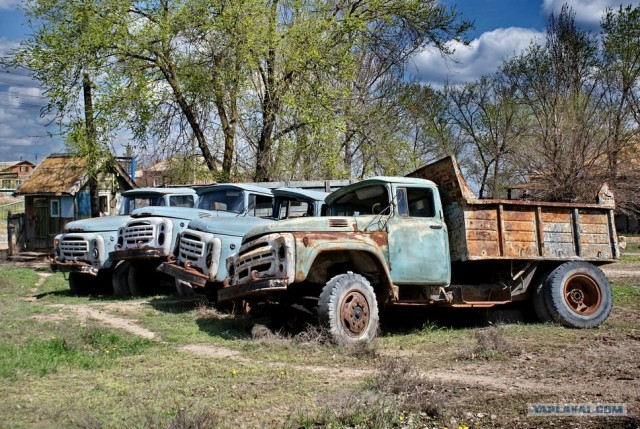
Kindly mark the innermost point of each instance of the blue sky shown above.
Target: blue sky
(503, 27)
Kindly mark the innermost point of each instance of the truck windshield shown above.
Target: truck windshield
(364, 201)
(225, 200)
(287, 208)
(132, 202)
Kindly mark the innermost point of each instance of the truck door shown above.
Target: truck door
(418, 241)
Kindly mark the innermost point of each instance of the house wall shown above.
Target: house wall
(44, 220)
(22, 170)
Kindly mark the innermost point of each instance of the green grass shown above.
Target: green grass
(625, 295)
(629, 258)
(57, 370)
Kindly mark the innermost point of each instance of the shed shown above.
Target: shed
(59, 191)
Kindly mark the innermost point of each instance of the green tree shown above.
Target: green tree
(620, 75)
(491, 122)
(557, 85)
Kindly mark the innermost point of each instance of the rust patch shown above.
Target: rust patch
(378, 237)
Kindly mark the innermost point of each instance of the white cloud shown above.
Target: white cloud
(483, 56)
(588, 12)
(23, 133)
(10, 4)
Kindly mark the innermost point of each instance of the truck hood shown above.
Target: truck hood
(97, 224)
(320, 224)
(184, 213)
(236, 226)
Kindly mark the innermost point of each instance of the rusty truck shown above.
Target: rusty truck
(426, 240)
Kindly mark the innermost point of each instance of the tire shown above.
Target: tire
(184, 288)
(211, 292)
(104, 281)
(231, 307)
(538, 299)
(348, 309)
(119, 280)
(79, 283)
(577, 294)
(138, 279)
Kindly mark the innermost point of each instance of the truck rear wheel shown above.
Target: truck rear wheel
(538, 298)
(578, 295)
(348, 309)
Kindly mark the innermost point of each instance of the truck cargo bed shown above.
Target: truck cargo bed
(482, 229)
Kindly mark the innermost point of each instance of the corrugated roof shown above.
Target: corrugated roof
(56, 175)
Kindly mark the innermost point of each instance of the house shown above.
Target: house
(58, 191)
(176, 170)
(13, 173)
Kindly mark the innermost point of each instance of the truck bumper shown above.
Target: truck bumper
(181, 273)
(137, 254)
(251, 289)
(73, 267)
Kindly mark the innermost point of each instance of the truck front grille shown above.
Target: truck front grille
(190, 248)
(138, 233)
(73, 247)
(260, 258)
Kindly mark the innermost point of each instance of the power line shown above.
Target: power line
(17, 94)
(7, 103)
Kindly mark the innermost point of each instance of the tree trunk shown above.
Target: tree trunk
(169, 72)
(93, 145)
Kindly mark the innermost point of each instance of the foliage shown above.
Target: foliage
(272, 86)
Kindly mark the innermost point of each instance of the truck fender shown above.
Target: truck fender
(315, 259)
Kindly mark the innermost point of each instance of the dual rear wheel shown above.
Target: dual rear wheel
(575, 294)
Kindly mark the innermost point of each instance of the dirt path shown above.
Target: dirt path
(87, 312)
(539, 375)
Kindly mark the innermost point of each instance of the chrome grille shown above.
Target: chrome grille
(191, 247)
(74, 247)
(138, 233)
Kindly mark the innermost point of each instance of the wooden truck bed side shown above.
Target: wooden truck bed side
(514, 229)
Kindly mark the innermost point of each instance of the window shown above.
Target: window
(55, 208)
(230, 200)
(104, 207)
(363, 201)
(181, 201)
(415, 202)
(289, 208)
(262, 205)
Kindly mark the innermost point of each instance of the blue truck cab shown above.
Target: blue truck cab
(203, 248)
(150, 236)
(82, 250)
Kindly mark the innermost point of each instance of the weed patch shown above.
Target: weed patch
(89, 348)
(626, 295)
(491, 345)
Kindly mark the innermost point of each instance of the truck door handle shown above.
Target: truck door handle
(435, 226)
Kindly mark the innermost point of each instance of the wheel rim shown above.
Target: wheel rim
(582, 294)
(354, 313)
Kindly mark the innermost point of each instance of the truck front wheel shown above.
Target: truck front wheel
(578, 295)
(120, 279)
(80, 283)
(348, 309)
